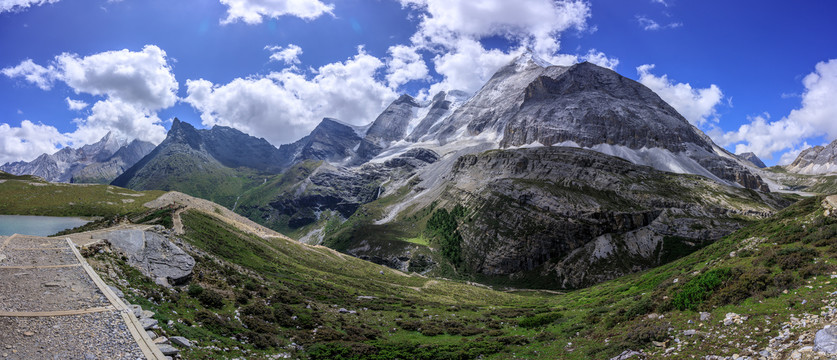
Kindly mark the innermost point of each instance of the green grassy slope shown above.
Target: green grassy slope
(286, 293)
(26, 195)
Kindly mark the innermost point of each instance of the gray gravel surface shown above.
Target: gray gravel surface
(51, 289)
(39, 257)
(101, 335)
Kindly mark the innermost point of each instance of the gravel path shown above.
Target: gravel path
(102, 335)
(49, 289)
(52, 308)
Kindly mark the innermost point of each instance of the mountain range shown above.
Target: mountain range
(551, 176)
(100, 162)
(557, 176)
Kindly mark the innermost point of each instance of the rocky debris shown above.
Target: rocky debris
(148, 324)
(733, 318)
(345, 311)
(830, 206)
(116, 291)
(816, 160)
(704, 316)
(629, 354)
(152, 254)
(168, 350)
(180, 341)
(826, 340)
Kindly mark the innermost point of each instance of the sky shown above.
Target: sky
(757, 76)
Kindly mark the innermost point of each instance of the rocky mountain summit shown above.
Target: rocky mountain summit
(100, 162)
(817, 160)
(752, 159)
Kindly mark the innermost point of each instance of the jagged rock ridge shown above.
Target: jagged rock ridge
(100, 162)
(752, 159)
(817, 160)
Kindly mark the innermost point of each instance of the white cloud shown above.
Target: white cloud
(467, 66)
(601, 59)
(405, 64)
(816, 117)
(36, 74)
(20, 5)
(696, 105)
(288, 55)
(75, 104)
(649, 24)
(134, 85)
(28, 141)
(142, 78)
(121, 117)
(451, 31)
(284, 106)
(661, 2)
(254, 11)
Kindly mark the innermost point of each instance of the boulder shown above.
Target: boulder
(152, 254)
(826, 340)
(181, 341)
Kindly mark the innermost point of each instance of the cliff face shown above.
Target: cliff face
(817, 160)
(575, 217)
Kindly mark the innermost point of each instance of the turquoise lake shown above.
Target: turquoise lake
(37, 225)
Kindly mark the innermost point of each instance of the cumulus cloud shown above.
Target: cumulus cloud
(36, 74)
(288, 55)
(451, 30)
(467, 66)
(601, 59)
(816, 117)
(28, 141)
(286, 105)
(534, 22)
(75, 104)
(254, 11)
(405, 64)
(134, 85)
(20, 5)
(696, 105)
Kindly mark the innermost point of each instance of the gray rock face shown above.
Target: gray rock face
(341, 189)
(826, 340)
(752, 158)
(152, 254)
(180, 341)
(816, 160)
(390, 126)
(440, 107)
(100, 162)
(330, 141)
(577, 217)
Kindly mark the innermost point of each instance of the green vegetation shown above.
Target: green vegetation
(442, 227)
(698, 289)
(285, 292)
(23, 195)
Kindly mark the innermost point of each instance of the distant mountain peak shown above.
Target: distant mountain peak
(816, 160)
(752, 158)
(99, 162)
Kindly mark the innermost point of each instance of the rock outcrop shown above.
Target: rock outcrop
(152, 254)
(575, 217)
(817, 160)
(752, 159)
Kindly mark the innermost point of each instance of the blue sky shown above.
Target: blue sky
(756, 76)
